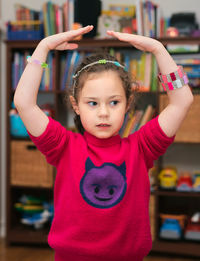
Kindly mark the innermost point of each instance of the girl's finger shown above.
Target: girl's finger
(67, 46)
(71, 46)
(131, 38)
(74, 33)
(120, 36)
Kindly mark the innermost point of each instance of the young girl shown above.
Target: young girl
(102, 186)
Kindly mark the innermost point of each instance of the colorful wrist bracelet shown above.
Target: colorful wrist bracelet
(29, 60)
(173, 80)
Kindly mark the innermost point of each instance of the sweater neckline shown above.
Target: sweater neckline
(107, 142)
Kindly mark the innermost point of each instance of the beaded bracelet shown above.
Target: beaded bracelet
(29, 60)
(173, 80)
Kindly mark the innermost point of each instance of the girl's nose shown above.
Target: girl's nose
(103, 111)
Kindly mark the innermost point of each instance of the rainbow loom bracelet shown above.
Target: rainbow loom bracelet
(173, 80)
(29, 60)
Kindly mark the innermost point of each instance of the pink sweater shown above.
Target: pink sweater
(101, 194)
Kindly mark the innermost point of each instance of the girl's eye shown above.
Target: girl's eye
(92, 103)
(114, 103)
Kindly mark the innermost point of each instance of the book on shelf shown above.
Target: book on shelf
(18, 66)
(154, 79)
(15, 70)
(135, 119)
(138, 117)
(183, 48)
(73, 63)
(129, 124)
(45, 20)
(147, 116)
(66, 70)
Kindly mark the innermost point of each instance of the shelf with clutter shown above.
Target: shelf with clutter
(142, 17)
(178, 219)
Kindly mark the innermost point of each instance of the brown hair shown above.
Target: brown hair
(78, 82)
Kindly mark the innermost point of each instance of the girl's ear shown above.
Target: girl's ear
(74, 104)
(130, 100)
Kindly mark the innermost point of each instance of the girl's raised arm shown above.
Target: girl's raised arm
(25, 98)
(180, 99)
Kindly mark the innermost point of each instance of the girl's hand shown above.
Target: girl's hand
(61, 41)
(142, 43)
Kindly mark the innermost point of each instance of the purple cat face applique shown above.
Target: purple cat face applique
(104, 186)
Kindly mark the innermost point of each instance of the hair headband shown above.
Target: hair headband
(103, 61)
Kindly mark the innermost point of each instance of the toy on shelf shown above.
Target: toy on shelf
(170, 229)
(184, 183)
(172, 226)
(196, 182)
(17, 127)
(38, 220)
(192, 230)
(35, 212)
(168, 178)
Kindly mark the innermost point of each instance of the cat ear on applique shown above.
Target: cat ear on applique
(122, 169)
(89, 164)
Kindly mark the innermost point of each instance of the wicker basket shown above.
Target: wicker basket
(29, 166)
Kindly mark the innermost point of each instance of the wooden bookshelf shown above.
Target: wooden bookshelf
(17, 233)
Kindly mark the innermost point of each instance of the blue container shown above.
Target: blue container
(25, 35)
(17, 128)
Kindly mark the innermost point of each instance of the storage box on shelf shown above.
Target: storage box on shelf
(189, 131)
(16, 233)
(32, 30)
(29, 166)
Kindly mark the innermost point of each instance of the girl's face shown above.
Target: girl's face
(102, 104)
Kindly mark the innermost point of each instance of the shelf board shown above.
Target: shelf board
(116, 43)
(91, 43)
(180, 40)
(21, 44)
(27, 236)
(177, 247)
(176, 193)
(22, 187)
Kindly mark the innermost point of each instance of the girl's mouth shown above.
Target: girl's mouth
(103, 125)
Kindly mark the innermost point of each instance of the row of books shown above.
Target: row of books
(191, 66)
(56, 18)
(24, 16)
(142, 68)
(69, 62)
(135, 119)
(150, 21)
(18, 66)
(144, 18)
